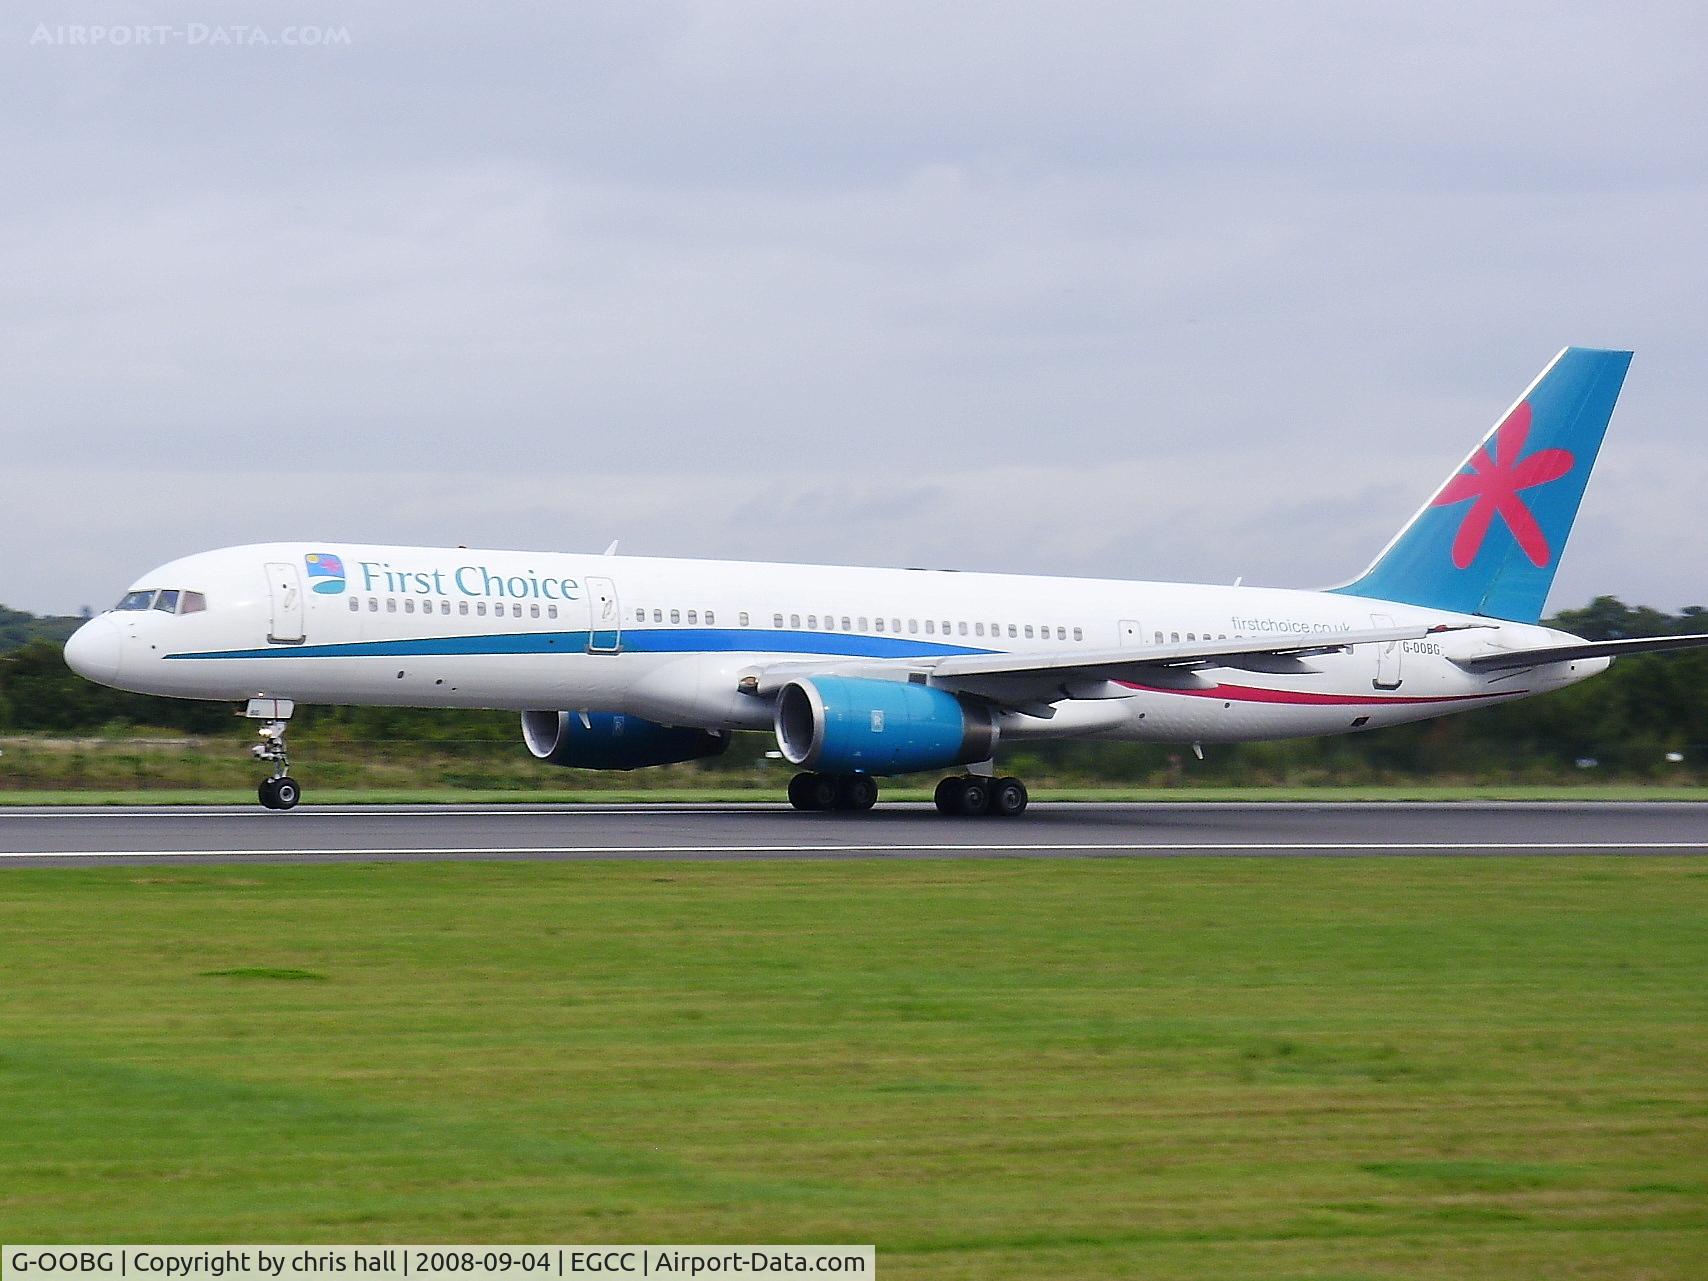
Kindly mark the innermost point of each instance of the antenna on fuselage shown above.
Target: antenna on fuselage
(612, 549)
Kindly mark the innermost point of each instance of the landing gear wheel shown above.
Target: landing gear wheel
(856, 792)
(975, 796)
(798, 791)
(814, 791)
(821, 791)
(280, 793)
(948, 798)
(1008, 798)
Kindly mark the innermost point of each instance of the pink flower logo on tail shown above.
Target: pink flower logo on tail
(1495, 483)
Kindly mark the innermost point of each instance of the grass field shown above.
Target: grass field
(1149, 1068)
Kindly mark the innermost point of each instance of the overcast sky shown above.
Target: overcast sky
(1193, 291)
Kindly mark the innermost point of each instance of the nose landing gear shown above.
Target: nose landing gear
(281, 791)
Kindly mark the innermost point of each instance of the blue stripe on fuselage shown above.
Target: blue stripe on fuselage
(672, 640)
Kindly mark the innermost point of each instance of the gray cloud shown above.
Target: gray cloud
(1201, 292)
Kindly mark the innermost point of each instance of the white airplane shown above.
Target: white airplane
(618, 662)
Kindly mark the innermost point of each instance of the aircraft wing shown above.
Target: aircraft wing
(1188, 655)
(1499, 660)
(1035, 678)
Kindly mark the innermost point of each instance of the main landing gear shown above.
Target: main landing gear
(966, 795)
(833, 791)
(973, 795)
(281, 791)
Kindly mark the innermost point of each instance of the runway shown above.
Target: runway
(244, 834)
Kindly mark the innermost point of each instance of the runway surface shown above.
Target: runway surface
(221, 834)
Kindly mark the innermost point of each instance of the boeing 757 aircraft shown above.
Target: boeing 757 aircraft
(618, 662)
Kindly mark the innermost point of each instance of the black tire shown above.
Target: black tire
(266, 793)
(857, 792)
(948, 796)
(821, 791)
(798, 791)
(975, 796)
(286, 793)
(1008, 798)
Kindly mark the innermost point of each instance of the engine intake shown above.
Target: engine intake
(847, 724)
(611, 740)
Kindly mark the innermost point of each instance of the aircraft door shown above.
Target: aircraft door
(604, 617)
(1131, 632)
(1388, 656)
(284, 586)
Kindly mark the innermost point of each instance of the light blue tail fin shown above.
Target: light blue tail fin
(1488, 541)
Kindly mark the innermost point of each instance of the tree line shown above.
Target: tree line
(1623, 722)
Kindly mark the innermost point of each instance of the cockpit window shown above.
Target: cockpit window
(168, 601)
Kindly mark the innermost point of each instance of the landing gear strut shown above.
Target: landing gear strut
(833, 791)
(281, 791)
(972, 795)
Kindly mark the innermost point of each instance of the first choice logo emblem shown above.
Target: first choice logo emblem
(325, 572)
(1495, 482)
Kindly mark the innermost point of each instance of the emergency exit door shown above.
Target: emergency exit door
(284, 587)
(605, 617)
(1388, 656)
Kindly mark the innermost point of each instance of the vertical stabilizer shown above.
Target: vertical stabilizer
(1489, 539)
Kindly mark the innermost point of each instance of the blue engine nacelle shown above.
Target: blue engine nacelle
(609, 740)
(847, 725)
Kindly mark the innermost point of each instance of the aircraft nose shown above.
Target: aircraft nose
(94, 649)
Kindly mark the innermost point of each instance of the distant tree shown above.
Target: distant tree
(1608, 618)
(42, 693)
(18, 628)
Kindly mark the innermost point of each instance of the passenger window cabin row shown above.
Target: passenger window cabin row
(933, 627)
(865, 623)
(175, 601)
(465, 609)
(708, 618)
(691, 616)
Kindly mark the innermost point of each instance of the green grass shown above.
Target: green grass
(891, 792)
(1436, 1068)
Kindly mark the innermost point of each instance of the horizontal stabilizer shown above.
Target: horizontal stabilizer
(1505, 659)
